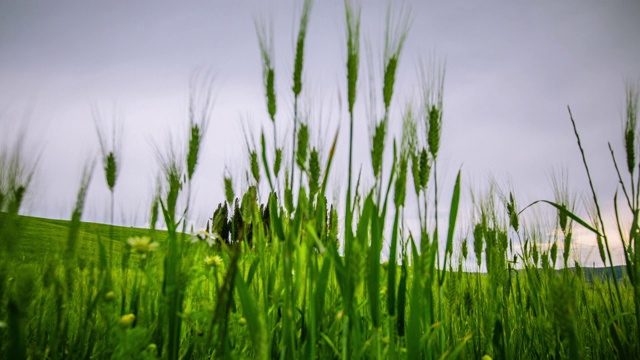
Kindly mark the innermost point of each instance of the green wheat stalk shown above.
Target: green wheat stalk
(111, 150)
(297, 74)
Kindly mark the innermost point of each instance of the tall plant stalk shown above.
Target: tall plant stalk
(111, 150)
(297, 77)
(599, 212)
(265, 41)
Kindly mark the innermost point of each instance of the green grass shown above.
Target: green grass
(534, 305)
(41, 238)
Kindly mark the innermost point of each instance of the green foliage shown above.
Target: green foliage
(265, 40)
(302, 150)
(194, 149)
(111, 170)
(434, 130)
(228, 189)
(110, 147)
(631, 128)
(314, 171)
(389, 80)
(353, 51)
(432, 94)
(277, 163)
(401, 182)
(396, 31)
(299, 56)
(377, 148)
(74, 226)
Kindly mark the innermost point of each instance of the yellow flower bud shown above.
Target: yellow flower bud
(214, 260)
(126, 320)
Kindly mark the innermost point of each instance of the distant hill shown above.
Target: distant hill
(41, 237)
(602, 273)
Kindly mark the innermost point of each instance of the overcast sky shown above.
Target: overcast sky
(512, 67)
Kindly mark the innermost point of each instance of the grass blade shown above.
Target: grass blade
(453, 214)
(253, 317)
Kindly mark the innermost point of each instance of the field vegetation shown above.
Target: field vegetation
(281, 271)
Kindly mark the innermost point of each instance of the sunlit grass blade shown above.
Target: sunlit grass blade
(563, 210)
(76, 216)
(218, 330)
(276, 221)
(402, 296)
(453, 215)
(265, 162)
(254, 319)
(373, 275)
(416, 307)
(391, 268)
(332, 152)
